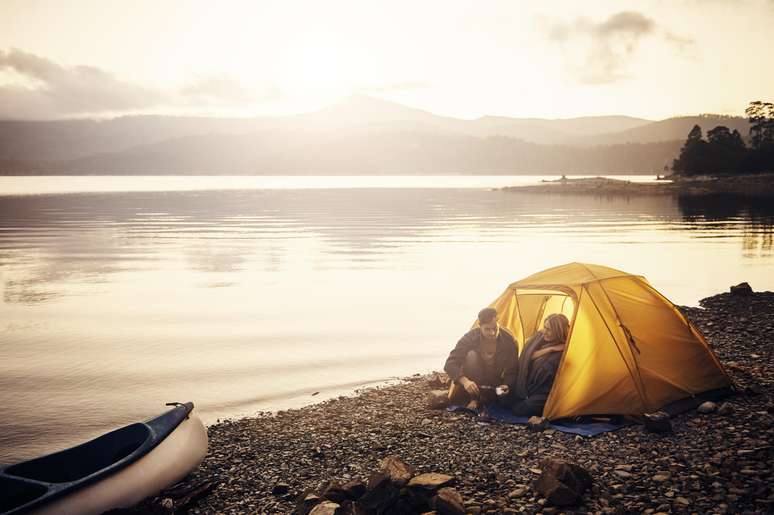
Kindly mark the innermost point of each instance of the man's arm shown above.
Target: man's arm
(457, 356)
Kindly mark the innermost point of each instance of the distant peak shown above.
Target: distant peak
(362, 108)
(364, 101)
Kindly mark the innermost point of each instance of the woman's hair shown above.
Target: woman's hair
(559, 325)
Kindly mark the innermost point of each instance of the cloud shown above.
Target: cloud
(393, 88)
(223, 90)
(56, 91)
(680, 42)
(46, 90)
(598, 52)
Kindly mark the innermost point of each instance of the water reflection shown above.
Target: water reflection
(752, 217)
(51, 239)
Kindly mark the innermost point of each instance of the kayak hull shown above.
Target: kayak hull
(116, 470)
(180, 452)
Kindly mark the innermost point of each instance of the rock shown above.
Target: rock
(537, 423)
(381, 494)
(742, 289)
(662, 477)
(306, 502)
(562, 483)
(682, 501)
(354, 489)
(448, 502)
(725, 409)
(752, 390)
(657, 422)
(396, 470)
(623, 474)
(707, 407)
(437, 399)
(430, 481)
(334, 492)
(439, 380)
(280, 489)
(412, 500)
(517, 492)
(168, 504)
(325, 508)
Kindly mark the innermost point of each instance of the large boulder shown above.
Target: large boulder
(306, 502)
(742, 289)
(437, 399)
(439, 380)
(333, 492)
(354, 489)
(393, 490)
(381, 494)
(326, 508)
(537, 423)
(448, 501)
(707, 407)
(657, 422)
(430, 481)
(396, 470)
(562, 483)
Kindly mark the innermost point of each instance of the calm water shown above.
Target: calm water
(244, 298)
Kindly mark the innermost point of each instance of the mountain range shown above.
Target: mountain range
(357, 135)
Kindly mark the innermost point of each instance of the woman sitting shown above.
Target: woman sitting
(537, 366)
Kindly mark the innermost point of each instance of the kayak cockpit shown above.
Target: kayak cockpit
(86, 459)
(18, 493)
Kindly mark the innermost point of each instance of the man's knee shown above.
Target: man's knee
(472, 368)
(473, 358)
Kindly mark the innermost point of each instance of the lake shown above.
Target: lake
(118, 294)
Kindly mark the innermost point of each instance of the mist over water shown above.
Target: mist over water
(112, 303)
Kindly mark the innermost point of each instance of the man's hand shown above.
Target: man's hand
(470, 387)
(503, 389)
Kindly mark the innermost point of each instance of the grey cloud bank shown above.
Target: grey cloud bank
(597, 52)
(53, 91)
(60, 91)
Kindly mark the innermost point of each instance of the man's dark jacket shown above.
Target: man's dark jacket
(506, 359)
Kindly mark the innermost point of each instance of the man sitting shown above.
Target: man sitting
(483, 364)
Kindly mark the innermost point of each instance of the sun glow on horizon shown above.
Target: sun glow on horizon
(550, 60)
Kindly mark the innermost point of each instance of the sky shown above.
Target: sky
(551, 59)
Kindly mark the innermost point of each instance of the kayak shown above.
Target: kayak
(116, 470)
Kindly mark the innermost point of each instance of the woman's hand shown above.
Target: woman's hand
(503, 390)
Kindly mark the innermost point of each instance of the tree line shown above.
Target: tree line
(725, 152)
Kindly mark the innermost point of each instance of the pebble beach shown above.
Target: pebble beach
(717, 462)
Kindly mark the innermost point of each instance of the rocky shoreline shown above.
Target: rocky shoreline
(709, 463)
(758, 186)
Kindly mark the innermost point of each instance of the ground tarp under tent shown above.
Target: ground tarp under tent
(629, 349)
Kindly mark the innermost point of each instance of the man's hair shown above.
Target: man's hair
(486, 315)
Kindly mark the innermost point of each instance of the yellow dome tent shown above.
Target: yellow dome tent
(629, 350)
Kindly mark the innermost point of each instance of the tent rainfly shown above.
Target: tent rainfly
(629, 349)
